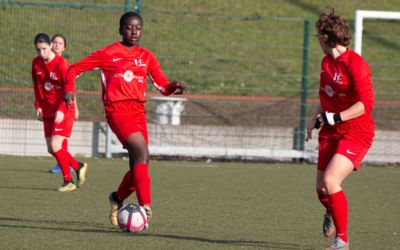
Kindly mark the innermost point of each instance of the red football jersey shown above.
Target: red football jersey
(345, 81)
(48, 82)
(123, 72)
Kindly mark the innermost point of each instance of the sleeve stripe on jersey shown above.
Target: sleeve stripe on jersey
(159, 88)
(104, 81)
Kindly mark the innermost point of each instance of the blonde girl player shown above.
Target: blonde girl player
(59, 44)
(48, 74)
(344, 116)
(124, 66)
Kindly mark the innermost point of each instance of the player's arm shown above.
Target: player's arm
(76, 109)
(354, 111)
(38, 99)
(160, 81)
(360, 75)
(62, 67)
(88, 63)
(362, 78)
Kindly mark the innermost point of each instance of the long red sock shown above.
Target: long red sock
(339, 209)
(324, 199)
(141, 180)
(65, 144)
(126, 187)
(72, 161)
(62, 159)
(140, 183)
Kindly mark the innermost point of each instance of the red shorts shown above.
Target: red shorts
(63, 128)
(126, 118)
(351, 140)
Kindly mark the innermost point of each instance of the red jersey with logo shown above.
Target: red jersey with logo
(345, 81)
(48, 82)
(123, 72)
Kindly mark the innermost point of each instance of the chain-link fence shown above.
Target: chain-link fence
(243, 73)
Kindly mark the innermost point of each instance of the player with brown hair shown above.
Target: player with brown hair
(48, 74)
(344, 116)
(59, 44)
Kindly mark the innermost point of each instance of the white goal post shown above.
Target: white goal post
(363, 14)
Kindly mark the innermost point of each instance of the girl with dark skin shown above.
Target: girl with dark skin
(124, 67)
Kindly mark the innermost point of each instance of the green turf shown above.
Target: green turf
(195, 205)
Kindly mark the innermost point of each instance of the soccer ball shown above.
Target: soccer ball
(132, 218)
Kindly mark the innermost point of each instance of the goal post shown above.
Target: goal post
(363, 14)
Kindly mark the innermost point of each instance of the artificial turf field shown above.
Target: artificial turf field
(195, 206)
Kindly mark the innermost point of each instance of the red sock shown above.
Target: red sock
(338, 205)
(141, 180)
(324, 199)
(140, 184)
(63, 161)
(72, 161)
(126, 187)
(65, 144)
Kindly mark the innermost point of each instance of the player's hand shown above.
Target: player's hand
(69, 98)
(59, 117)
(76, 112)
(314, 123)
(39, 114)
(176, 88)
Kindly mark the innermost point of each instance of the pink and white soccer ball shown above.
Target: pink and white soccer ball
(132, 218)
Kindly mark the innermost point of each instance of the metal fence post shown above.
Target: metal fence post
(138, 6)
(108, 152)
(127, 5)
(304, 85)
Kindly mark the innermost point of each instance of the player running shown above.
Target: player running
(344, 115)
(48, 74)
(123, 69)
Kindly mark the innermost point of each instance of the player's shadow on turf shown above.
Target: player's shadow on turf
(53, 225)
(77, 226)
(28, 188)
(247, 243)
(26, 170)
(103, 229)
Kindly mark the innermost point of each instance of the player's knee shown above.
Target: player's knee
(55, 146)
(143, 157)
(139, 154)
(321, 189)
(330, 183)
(50, 150)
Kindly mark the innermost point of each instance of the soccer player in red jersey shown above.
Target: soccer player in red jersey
(48, 74)
(59, 44)
(124, 67)
(344, 115)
